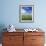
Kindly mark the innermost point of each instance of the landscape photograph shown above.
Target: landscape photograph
(26, 13)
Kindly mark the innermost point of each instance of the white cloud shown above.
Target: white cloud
(23, 11)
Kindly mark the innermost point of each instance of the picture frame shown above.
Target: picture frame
(26, 13)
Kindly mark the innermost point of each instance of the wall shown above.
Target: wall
(10, 13)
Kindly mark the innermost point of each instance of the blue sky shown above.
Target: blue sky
(26, 10)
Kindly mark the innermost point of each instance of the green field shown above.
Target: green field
(26, 17)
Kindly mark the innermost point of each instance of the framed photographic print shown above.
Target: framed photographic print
(26, 13)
